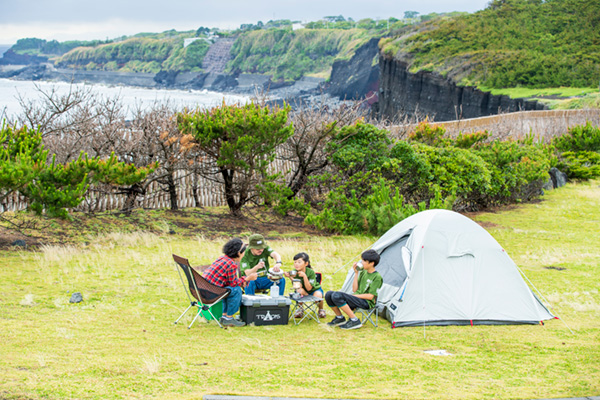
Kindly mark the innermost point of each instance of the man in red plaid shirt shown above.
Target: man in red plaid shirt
(223, 272)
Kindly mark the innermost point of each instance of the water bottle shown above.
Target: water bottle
(275, 290)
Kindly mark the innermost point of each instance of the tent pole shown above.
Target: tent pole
(544, 298)
(423, 290)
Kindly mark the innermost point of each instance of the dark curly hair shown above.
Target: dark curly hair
(233, 247)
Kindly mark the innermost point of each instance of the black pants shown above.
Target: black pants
(340, 299)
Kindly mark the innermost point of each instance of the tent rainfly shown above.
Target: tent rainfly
(441, 268)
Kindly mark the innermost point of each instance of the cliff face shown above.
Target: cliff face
(402, 93)
(10, 57)
(357, 77)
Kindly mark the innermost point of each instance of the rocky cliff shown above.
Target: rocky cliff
(358, 77)
(402, 93)
(10, 57)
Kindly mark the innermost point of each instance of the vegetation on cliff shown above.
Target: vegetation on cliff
(138, 54)
(512, 43)
(52, 48)
(272, 48)
(289, 55)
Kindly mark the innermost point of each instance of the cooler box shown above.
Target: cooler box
(265, 310)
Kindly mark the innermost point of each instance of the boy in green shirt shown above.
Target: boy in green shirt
(365, 286)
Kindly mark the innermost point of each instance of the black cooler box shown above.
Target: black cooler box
(265, 310)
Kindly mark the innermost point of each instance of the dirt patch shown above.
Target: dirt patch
(16, 240)
(209, 223)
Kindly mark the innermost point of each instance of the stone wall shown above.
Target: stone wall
(544, 125)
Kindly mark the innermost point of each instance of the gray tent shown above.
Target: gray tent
(441, 268)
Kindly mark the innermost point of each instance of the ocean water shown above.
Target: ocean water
(131, 97)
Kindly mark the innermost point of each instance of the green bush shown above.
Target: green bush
(456, 172)
(279, 198)
(359, 147)
(581, 165)
(579, 138)
(409, 170)
(579, 152)
(517, 171)
(52, 187)
(374, 187)
(432, 135)
(349, 210)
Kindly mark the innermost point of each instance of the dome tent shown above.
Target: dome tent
(441, 268)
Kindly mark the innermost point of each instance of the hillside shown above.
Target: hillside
(512, 43)
(274, 48)
(289, 55)
(138, 55)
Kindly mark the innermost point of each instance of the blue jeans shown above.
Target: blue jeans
(263, 282)
(231, 303)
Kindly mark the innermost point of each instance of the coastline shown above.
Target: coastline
(246, 85)
(12, 91)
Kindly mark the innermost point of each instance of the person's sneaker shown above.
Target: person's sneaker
(336, 321)
(351, 324)
(232, 322)
(299, 312)
(322, 313)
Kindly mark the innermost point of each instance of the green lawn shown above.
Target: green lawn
(521, 92)
(121, 341)
(562, 98)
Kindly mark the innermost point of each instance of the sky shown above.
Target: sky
(107, 19)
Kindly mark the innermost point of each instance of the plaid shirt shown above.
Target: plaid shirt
(223, 272)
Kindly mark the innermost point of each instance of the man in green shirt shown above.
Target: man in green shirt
(257, 261)
(365, 287)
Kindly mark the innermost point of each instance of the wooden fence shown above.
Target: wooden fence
(209, 193)
(543, 124)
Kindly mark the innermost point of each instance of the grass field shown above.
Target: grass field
(561, 98)
(120, 342)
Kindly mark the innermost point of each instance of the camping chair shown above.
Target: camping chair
(205, 293)
(308, 304)
(367, 315)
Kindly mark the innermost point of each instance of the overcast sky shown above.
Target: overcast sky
(100, 19)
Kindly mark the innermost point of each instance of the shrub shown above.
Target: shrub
(359, 147)
(280, 198)
(432, 135)
(518, 171)
(582, 165)
(468, 140)
(579, 138)
(52, 187)
(409, 170)
(349, 211)
(456, 172)
(579, 152)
